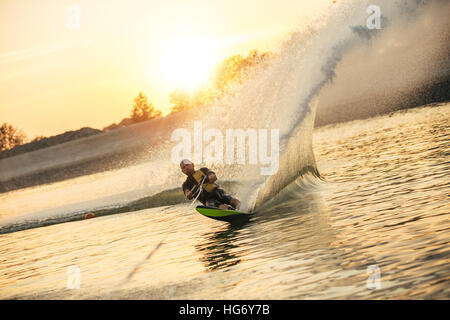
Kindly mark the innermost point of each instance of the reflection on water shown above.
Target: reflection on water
(219, 250)
(384, 204)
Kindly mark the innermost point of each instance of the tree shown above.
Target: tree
(236, 70)
(233, 71)
(37, 138)
(183, 100)
(143, 110)
(125, 122)
(10, 137)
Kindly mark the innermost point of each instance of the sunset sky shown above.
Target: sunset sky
(56, 77)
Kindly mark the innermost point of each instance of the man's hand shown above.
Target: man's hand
(188, 194)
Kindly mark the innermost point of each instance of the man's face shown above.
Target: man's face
(187, 169)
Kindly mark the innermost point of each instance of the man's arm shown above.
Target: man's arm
(211, 176)
(187, 192)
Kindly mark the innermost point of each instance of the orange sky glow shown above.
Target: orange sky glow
(67, 64)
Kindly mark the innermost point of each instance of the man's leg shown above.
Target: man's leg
(226, 199)
(218, 204)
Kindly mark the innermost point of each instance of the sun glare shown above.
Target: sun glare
(188, 63)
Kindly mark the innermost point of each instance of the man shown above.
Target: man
(211, 195)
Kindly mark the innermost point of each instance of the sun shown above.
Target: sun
(188, 63)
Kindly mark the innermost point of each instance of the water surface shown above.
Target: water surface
(384, 202)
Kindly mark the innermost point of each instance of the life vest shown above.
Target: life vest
(198, 176)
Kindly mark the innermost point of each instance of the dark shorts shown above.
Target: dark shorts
(220, 197)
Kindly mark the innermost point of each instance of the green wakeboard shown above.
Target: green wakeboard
(227, 215)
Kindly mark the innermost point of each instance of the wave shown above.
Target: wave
(328, 48)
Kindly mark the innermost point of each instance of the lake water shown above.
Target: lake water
(376, 227)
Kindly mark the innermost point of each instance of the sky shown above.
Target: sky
(68, 64)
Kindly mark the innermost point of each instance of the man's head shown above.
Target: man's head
(187, 167)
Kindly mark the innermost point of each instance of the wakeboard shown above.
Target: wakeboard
(227, 215)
